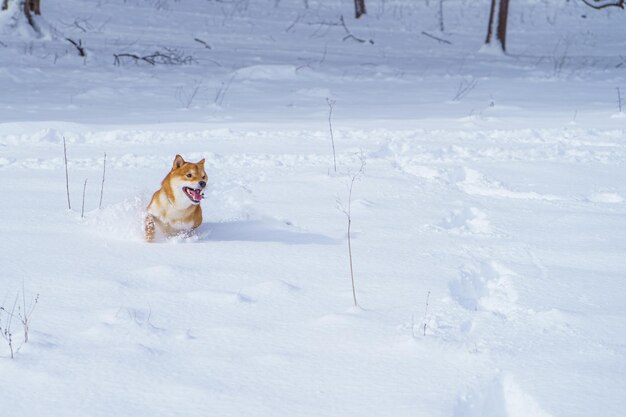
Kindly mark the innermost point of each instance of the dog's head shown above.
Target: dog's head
(187, 180)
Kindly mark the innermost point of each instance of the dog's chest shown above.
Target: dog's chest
(180, 219)
(174, 218)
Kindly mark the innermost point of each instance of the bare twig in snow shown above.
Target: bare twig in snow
(67, 181)
(440, 40)
(200, 41)
(168, 56)
(185, 96)
(560, 56)
(348, 212)
(350, 35)
(79, 23)
(294, 23)
(104, 170)
(331, 105)
(79, 46)
(324, 55)
(426, 312)
(464, 88)
(28, 312)
(6, 332)
(82, 211)
(221, 92)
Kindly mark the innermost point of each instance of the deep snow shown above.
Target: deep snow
(488, 231)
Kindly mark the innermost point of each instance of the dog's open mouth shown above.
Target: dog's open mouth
(194, 195)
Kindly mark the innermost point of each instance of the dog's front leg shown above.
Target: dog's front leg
(149, 227)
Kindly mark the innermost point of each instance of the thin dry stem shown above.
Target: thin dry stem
(28, 312)
(348, 212)
(426, 312)
(67, 180)
(104, 170)
(331, 105)
(82, 211)
(6, 332)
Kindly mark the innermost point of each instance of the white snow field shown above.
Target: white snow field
(488, 228)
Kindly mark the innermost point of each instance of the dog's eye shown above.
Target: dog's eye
(188, 175)
(204, 177)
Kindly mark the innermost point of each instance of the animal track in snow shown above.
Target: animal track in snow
(417, 168)
(486, 287)
(475, 183)
(469, 220)
(502, 397)
(270, 290)
(133, 329)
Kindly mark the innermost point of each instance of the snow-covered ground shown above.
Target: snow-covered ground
(488, 227)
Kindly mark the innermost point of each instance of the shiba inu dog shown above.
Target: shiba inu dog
(175, 207)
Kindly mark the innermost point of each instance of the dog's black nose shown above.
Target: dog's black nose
(202, 184)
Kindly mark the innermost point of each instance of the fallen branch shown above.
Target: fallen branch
(170, 57)
(350, 35)
(440, 40)
(601, 4)
(200, 41)
(79, 46)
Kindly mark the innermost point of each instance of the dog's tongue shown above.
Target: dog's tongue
(196, 195)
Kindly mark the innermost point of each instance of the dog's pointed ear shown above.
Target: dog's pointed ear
(178, 162)
(201, 162)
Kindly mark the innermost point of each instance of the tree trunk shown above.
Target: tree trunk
(29, 7)
(441, 27)
(503, 16)
(501, 9)
(359, 6)
(27, 13)
(490, 26)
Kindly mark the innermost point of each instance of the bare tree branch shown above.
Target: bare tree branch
(79, 46)
(440, 40)
(169, 56)
(601, 4)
